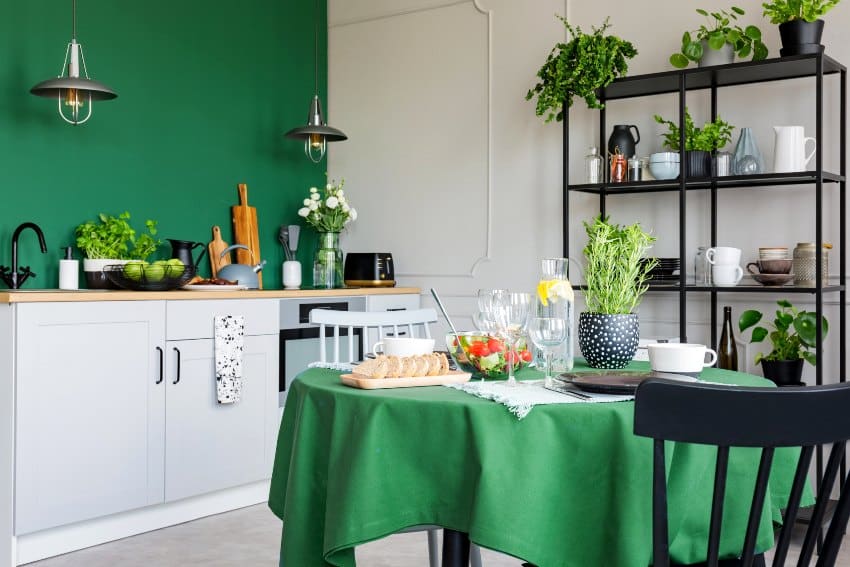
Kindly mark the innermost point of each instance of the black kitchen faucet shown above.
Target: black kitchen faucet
(14, 278)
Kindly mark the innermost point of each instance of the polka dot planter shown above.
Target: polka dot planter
(608, 341)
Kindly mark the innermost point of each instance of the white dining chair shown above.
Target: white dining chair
(380, 324)
(408, 323)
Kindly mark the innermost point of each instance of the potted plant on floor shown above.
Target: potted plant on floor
(615, 280)
(699, 142)
(793, 338)
(111, 240)
(719, 40)
(800, 26)
(586, 63)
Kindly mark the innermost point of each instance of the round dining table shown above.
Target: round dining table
(569, 485)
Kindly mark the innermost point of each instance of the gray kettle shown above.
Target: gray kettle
(242, 274)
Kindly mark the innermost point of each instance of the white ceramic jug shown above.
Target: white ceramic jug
(789, 154)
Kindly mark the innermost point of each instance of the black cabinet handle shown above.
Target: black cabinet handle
(177, 350)
(161, 364)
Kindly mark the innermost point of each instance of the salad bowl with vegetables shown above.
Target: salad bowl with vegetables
(485, 355)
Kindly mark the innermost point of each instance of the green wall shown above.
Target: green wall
(206, 91)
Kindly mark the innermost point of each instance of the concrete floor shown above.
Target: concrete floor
(251, 537)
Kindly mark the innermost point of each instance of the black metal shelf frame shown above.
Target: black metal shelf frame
(814, 66)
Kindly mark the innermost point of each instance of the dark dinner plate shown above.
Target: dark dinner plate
(623, 382)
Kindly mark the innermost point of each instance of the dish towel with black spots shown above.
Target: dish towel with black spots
(229, 345)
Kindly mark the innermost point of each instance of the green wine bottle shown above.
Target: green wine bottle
(727, 350)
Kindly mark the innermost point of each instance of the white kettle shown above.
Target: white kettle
(789, 154)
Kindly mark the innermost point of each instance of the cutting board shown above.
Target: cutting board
(245, 231)
(216, 247)
(368, 383)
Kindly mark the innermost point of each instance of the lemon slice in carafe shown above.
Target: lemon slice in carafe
(554, 290)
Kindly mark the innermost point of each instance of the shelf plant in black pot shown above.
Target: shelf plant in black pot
(719, 40)
(586, 63)
(615, 283)
(699, 142)
(793, 338)
(800, 24)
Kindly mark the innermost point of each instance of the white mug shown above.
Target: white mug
(726, 274)
(723, 255)
(403, 346)
(679, 357)
(789, 154)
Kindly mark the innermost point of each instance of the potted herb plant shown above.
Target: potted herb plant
(800, 26)
(719, 40)
(793, 338)
(699, 142)
(615, 280)
(111, 240)
(586, 63)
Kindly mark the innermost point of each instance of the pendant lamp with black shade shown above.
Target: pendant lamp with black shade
(316, 134)
(74, 93)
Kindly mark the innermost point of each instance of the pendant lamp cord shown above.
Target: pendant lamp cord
(315, 47)
(74, 20)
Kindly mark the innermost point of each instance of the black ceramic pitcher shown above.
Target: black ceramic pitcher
(621, 137)
(182, 249)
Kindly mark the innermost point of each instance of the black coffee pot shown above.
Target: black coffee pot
(182, 249)
(621, 137)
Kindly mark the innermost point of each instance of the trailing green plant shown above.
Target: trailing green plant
(616, 270)
(781, 11)
(586, 63)
(794, 332)
(712, 136)
(719, 30)
(113, 237)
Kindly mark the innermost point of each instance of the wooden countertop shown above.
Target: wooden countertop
(48, 295)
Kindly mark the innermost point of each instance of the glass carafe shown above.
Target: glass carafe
(555, 299)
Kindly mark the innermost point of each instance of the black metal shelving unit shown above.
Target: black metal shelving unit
(815, 67)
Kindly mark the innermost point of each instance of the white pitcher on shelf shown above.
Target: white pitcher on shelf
(789, 154)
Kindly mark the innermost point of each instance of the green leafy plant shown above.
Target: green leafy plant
(781, 11)
(616, 273)
(586, 63)
(794, 332)
(113, 237)
(717, 32)
(712, 136)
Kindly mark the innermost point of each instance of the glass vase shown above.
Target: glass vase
(555, 300)
(327, 263)
(747, 159)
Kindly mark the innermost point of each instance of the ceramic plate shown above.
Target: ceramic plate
(773, 279)
(616, 381)
(210, 287)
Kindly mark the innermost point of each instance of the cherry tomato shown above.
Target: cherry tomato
(479, 348)
(495, 345)
(512, 357)
(525, 356)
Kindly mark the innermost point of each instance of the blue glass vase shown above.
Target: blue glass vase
(747, 159)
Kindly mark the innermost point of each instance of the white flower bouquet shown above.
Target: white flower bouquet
(328, 214)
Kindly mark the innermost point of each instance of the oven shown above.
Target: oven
(299, 340)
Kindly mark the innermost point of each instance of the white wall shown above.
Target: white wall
(452, 172)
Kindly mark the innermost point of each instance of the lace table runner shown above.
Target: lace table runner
(522, 398)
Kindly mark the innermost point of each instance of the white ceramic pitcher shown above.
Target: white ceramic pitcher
(789, 153)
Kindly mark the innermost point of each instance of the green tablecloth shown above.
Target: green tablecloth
(569, 485)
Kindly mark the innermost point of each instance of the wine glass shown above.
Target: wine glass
(511, 310)
(547, 334)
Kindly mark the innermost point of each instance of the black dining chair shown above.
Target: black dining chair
(766, 418)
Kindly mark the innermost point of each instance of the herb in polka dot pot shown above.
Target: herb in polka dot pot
(615, 281)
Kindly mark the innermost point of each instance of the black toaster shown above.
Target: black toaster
(369, 269)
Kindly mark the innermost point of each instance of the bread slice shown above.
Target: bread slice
(373, 368)
(394, 367)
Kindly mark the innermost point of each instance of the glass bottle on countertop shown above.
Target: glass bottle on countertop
(555, 299)
(727, 350)
(593, 166)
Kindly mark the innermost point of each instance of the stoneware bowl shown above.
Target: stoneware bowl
(664, 165)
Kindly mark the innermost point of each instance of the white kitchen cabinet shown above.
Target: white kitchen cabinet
(90, 410)
(211, 446)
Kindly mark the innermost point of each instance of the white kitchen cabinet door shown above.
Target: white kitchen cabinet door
(211, 446)
(90, 413)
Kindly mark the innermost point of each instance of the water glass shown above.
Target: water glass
(547, 334)
(511, 310)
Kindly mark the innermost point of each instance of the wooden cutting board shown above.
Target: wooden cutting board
(216, 247)
(368, 383)
(245, 231)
